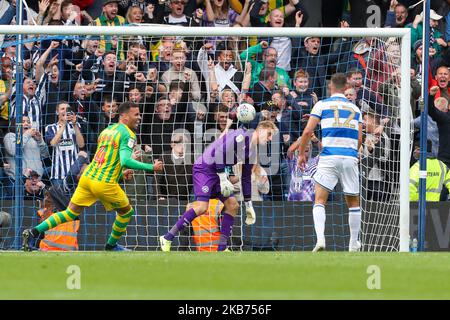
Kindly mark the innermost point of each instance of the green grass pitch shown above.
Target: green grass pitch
(233, 275)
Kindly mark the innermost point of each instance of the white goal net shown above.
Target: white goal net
(188, 83)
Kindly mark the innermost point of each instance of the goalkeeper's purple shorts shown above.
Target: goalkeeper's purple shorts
(206, 185)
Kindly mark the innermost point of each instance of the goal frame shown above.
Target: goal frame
(158, 30)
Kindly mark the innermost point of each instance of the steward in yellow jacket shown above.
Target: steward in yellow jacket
(438, 175)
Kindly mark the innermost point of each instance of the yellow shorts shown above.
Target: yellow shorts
(110, 194)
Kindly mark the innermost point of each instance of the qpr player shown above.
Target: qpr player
(341, 128)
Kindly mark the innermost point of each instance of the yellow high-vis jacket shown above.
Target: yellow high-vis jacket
(438, 175)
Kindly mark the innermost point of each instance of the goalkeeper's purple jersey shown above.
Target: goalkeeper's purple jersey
(234, 147)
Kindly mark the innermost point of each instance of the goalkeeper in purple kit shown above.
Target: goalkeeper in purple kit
(211, 181)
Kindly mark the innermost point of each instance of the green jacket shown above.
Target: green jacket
(417, 34)
(247, 55)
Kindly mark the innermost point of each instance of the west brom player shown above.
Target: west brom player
(211, 182)
(100, 180)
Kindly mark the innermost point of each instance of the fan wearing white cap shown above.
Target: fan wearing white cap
(436, 37)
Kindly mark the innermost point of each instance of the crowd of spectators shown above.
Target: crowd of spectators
(189, 88)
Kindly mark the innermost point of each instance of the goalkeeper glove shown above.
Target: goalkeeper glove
(226, 187)
(251, 215)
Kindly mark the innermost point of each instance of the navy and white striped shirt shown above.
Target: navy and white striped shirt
(340, 120)
(33, 106)
(65, 153)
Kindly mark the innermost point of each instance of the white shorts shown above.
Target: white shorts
(330, 170)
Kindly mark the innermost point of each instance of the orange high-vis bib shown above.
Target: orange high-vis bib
(61, 238)
(206, 227)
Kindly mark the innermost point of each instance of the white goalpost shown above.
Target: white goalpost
(379, 225)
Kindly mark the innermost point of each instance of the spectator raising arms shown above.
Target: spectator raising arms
(34, 149)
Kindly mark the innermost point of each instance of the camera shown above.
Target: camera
(69, 111)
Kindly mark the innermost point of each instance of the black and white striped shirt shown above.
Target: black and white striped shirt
(135, 3)
(65, 153)
(33, 106)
